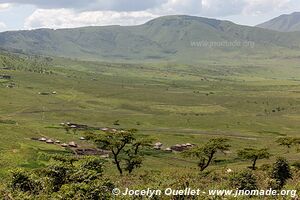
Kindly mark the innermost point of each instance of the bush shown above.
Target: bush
(21, 180)
(280, 173)
(93, 190)
(244, 180)
(66, 178)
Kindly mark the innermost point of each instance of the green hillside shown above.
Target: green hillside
(175, 38)
(283, 23)
(203, 87)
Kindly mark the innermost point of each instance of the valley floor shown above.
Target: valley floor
(252, 104)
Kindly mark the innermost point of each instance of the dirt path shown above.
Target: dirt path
(200, 132)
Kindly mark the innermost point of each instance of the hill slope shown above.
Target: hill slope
(283, 23)
(167, 38)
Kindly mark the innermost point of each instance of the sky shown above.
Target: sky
(32, 14)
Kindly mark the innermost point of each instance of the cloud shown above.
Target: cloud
(89, 5)
(254, 7)
(2, 26)
(181, 7)
(192, 7)
(65, 18)
(4, 6)
(223, 8)
(70, 13)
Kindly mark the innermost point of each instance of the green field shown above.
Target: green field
(250, 102)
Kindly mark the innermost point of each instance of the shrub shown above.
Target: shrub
(244, 180)
(280, 173)
(21, 180)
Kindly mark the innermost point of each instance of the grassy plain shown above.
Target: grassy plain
(251, 102)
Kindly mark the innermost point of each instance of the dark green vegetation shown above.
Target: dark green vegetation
(283, 23)
(64, 178)
(172, 38)
(280, 173)
(122, 146)
(254, 155)
(249, 102)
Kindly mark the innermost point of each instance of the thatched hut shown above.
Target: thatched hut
(157, 148)
(158, 144)
(49, 141)
(104, 129)
(178, 147)
(64, 145)
(188, 144)
(73, 144)
(42, 139)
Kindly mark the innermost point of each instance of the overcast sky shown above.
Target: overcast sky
(31, 14)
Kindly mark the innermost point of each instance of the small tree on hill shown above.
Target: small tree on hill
(134, 158)
(296, 142)
(254, 155)
(124, 147)
(206, 153)
(286, 141)
(281, 172)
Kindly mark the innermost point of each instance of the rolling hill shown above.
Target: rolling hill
(283, 23)
(179, 38)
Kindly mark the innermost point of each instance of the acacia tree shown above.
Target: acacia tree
(134, 157)
(296, 142)
(286, 141)
(254, 155)
(206, 153)
(124, 147)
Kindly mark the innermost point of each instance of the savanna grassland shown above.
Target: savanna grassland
(250, 101)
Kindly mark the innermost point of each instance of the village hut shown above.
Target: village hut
(82, 138)
(157, 148)
(104, 129)
(73, 144)
(64, 145)
(43, 139)
(49, 141)
(184, 146)
(177, 147)
(105, 156)
(10, 85)
(168, 149)
(188, 144)
(44, 93)
(57, 141)
(158, 144)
